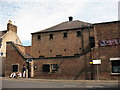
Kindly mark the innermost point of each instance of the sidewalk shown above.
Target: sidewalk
(61, 80)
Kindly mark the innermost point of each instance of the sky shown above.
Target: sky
(35, 15)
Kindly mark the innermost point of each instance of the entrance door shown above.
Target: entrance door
(29, 69)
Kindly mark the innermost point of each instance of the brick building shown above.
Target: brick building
(7, 35)
(66, 50)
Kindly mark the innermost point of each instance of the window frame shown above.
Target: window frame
(39, 37)
(92, 42)
(51, 70)
(43, 68)
(55, 68)
(78, 34)
(17, 68)
(112, 60)
(51, 36)
(65, 34)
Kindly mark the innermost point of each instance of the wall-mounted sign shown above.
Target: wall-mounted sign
(110, 42)
(29, 60)
(98, 61)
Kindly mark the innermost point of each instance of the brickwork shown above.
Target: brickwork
(59, 45)
(69, 65)
(28, 50)
(13, 57)
(102, 32)
(21, 48)
(69, 68)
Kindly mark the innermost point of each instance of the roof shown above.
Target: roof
(3, 32)
(25, 56)
(65, 26)
(106, 22)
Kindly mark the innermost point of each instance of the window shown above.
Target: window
(46, 68)
(51, 50)
(58, 55)
(65, 35)
(39, 37)
(41, 56)
(78, 33)
(16, 40)
(92, 42)
(15, 68)
(65, 50)
(51, 36)
(116, 66)
(54, 67)
(50, 67)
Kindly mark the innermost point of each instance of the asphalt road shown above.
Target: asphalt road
(44, 83)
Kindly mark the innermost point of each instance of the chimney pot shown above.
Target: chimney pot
(70, 18)
(10, 21)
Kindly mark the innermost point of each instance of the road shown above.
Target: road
(44, 83)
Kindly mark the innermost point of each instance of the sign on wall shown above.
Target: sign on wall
(97, 61)
(110, 42)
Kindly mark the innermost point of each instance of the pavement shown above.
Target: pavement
(61, 80)
(57, 83)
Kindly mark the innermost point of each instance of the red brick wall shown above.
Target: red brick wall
(28, 50)
(69, 68)
(13, 57)
(72, 44)
(103, 32)
(21, 48)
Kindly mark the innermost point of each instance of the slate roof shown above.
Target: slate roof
(65, 26)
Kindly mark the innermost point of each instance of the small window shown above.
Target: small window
(39, 37)
(78, 33)
(65, 50)
(41, 56)
(54, 67)
(16, 40)
(50, 50)
(92, 42)
(58, 55)
(51, 36)
(15, 68)
(116, 66)
(46, 68)
(65, 35)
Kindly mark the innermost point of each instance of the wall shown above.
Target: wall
(105, 31)
(13, 57)
(28, 50)
(59, 45)
(9, 36)
(69, 68)
(11, 27)
(21, 48)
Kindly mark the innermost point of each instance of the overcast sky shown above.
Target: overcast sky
(35, 15)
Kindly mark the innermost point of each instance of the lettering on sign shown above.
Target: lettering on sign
(109, 42)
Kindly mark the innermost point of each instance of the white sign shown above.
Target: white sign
(97, 61)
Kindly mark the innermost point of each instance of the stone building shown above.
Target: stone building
(65, 51)
(7, 35)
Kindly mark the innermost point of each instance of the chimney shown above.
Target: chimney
(70, 18)
(11, 27)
